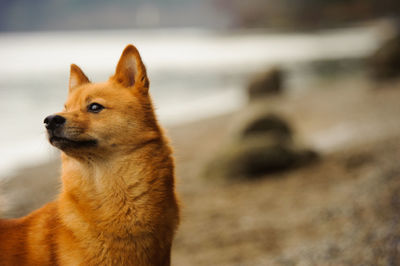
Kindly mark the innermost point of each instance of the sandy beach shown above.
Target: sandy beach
(343, 209)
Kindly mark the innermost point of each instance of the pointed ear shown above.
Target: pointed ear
(77, 77)
(131, 71)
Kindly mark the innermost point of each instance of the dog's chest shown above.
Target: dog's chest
(126, 251)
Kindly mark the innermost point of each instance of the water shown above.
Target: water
(194, 73)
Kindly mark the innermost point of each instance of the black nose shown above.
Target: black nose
(54, 121)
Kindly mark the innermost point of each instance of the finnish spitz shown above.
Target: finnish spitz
(118, 204)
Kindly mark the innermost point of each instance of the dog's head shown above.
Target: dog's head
(105, 118)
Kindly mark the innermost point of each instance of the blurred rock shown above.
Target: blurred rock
(258, 156)
(385, 62)
(263, 144)
(268, 83)
(267, 124)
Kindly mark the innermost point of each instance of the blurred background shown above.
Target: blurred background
(284, 116)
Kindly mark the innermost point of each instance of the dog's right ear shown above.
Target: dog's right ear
(76, 78)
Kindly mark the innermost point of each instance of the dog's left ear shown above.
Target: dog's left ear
(131, 71)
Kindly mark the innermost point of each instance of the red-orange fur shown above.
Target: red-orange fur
(118, 204)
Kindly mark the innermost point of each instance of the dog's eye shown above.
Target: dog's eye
(95, 108)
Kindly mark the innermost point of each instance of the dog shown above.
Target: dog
(118, 204)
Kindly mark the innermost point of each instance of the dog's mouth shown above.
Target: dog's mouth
(62, 143)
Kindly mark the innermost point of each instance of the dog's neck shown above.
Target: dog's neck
(122, 187)
(125, 208)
